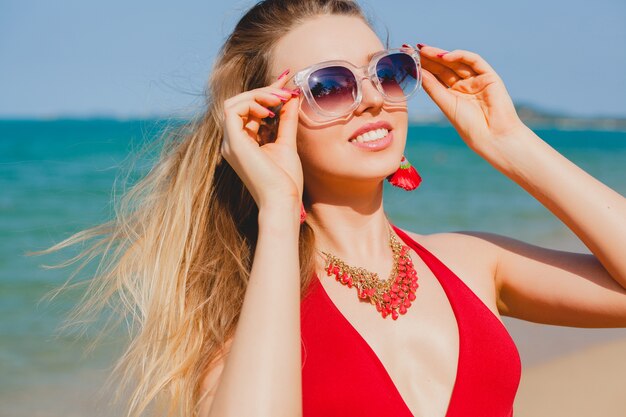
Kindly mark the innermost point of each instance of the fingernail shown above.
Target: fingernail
(280, 97)
(442, 54)
(419, 45)
(283, 74)
(405, 45)
(292, 92)
(271, 113)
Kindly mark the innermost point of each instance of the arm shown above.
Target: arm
(544, 285)
(573, 289)
(534, 283)
(261, 375)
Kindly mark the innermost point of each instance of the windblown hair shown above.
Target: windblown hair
(175, 260)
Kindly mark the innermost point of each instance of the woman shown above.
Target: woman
(236, 313)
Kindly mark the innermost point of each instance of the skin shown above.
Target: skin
(345, 185)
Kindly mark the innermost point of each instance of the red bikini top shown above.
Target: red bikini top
(342, 376)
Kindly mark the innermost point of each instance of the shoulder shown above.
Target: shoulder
(472, 256)
(465, 244)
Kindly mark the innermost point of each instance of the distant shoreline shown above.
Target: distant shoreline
(541, 119)
(531, 115)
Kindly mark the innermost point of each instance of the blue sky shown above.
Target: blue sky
(143, 58)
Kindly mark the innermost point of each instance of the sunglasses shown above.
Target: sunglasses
(333, 89)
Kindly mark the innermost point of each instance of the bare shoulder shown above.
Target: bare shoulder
(472, 256)
(467, 246)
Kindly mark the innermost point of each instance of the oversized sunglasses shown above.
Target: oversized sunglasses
(333, 89)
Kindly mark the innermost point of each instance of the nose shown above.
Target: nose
(370, 97)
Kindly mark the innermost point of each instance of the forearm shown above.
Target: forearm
(262, 374)
(593, 211)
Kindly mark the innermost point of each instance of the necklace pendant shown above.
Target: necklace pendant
(392, 297)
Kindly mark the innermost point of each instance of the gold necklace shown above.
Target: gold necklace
(392, 296)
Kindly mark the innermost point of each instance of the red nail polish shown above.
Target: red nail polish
(442, 54)
(405, 45)
(419, 45)
(271, 113)
(283, 74)
(280, 97)
(293, 93)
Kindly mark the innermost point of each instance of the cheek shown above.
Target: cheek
(308, 112)
(314, 143)
(322, 149)
(323, 156)
(306, 108)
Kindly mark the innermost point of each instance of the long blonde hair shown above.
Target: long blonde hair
(175, 259)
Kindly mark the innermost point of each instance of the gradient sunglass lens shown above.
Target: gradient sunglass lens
(397, 74)
(333, 88)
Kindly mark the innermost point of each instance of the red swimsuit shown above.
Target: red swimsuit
(343, 377)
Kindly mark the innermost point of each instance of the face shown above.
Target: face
(328, 156)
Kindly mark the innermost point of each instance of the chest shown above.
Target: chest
(420, 350)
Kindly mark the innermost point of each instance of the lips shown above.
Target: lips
(371, 126)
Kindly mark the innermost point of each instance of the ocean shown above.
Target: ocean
(57, 177)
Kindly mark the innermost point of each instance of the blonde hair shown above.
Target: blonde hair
(176, 257)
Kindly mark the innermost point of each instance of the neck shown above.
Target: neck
(351, 225)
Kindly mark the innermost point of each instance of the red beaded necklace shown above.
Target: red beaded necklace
(392, 296)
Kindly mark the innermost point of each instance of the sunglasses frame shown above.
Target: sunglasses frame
(301, 79)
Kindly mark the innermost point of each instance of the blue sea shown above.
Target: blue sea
(57, 177)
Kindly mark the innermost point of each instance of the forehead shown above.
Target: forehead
(325, 38)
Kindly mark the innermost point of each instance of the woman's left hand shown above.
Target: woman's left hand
(471, 95)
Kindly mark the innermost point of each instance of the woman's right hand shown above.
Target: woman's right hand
(272, 171)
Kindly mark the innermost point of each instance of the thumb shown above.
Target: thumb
(288, 125)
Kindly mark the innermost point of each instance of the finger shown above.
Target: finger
(446, 75)
(430, 54)
(438, 91)
(460, 56)
(269, 92)
(282, 79)
(270, 95)
(236, 113)
(266, 98)
(461, 70)
(441, 80)
(289, 111)
(288, 126)
(252, 126)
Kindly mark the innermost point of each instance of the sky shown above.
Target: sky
(146, 58)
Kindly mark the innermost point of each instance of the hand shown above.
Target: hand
(471, 95)
(271, 171)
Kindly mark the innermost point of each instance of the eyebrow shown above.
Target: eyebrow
(369, 56)
(368, 59)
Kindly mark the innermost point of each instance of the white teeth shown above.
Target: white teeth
(371, 135)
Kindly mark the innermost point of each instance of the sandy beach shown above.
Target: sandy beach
(586, 383)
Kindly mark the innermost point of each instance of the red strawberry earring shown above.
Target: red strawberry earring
(406, 176)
